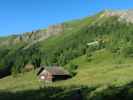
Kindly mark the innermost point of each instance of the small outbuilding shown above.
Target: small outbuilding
(53, 74)
(95, 43)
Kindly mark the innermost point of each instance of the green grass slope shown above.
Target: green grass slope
(106, 70)
(104, 77)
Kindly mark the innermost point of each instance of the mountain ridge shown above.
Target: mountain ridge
(34, 36)
(53, 30)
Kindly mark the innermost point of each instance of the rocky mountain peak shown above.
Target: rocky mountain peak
(125, 15)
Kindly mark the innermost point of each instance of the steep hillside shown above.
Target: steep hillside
(59, 44)
(104, 68)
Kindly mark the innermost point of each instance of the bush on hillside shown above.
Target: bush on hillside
(127, 51)
(72, 69)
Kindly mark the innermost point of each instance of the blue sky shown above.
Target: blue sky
(17, 16)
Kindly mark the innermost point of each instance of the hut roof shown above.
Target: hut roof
(56, 71)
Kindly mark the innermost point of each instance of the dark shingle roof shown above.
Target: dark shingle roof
(56, 71)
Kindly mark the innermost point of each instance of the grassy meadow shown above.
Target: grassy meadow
(106, 71)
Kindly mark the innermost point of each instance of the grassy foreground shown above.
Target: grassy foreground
(106, 77)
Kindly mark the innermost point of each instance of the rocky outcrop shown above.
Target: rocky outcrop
(124, 15)
(55, 29)
(32, 36)
(41, 34)
(35, 36)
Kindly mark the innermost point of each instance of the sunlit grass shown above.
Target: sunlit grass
(102, 70)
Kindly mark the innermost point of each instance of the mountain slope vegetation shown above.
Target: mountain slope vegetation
(104, 67)
(60, 49)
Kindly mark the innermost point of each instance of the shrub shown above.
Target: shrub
(127, 51)
(72, 69)
(14, 71)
